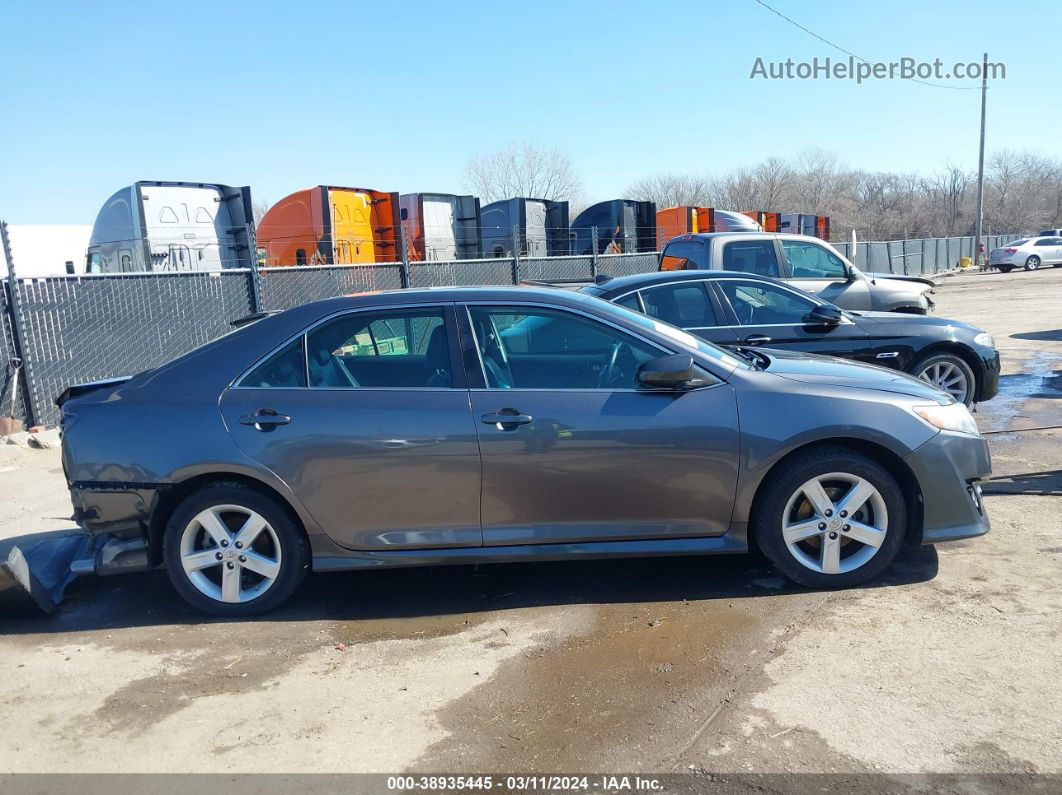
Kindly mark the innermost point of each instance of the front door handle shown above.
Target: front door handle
(265, 419)
(757, 339)
(506, 419)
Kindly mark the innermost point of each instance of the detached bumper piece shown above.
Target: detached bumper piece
(34, 574)
(36, 570)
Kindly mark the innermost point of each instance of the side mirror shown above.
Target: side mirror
(676, 371)
(824, 315)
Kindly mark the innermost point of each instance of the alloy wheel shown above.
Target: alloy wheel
(835, 523)
(949, 377)
(230, 553)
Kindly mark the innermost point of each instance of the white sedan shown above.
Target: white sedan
(1029, 253)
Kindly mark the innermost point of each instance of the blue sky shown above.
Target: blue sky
(398, 96)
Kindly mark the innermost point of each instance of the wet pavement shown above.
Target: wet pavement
(948, 663)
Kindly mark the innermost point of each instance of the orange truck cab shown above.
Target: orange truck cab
(330, 225)
(769, 222)
(675, 221)
(683, 220)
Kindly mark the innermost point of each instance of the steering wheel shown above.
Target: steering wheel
(605, 378)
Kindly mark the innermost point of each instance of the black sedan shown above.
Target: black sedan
(743, 309)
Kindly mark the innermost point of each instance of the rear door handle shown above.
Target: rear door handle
(510, 417)
(265, 419)
(757, 339)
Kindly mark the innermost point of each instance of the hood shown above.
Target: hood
(897, 321)
(812, 369)
(899, 277)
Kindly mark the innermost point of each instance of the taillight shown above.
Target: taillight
(1010, 251)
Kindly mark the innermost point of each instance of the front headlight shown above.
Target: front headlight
(953, 417)
(984, 338)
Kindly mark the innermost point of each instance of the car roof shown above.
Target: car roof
(419, 295)
(639, 281)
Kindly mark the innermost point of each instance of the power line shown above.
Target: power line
(857, 57)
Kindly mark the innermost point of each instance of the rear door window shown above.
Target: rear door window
(684, 304)
(752, 256)
(393, 348)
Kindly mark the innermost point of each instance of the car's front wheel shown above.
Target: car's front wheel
(947, 372)
(832, 518)
(1032, 263)
(233, 551)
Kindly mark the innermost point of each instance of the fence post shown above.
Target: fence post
(593, 252)
(19, 364)
(256, 293)
(404, 270)
(516, 254)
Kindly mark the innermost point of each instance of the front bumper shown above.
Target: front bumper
(990, 367)
(949, 468)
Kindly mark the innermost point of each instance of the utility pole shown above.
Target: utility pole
(981, 167)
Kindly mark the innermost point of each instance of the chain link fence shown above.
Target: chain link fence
(77, 329)
(283, 288)
(71, 329)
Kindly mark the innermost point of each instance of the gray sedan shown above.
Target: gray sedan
(423, 427)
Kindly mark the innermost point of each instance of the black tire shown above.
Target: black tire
(956, 361)
(774, 496)
(293, 548)
(1032, 263)
(1005, 268)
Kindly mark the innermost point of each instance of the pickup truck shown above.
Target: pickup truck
(811, 264)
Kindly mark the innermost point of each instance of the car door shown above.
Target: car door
(1049, 250)
(768, 313)
(690, 305)
(813, 268)
(574, 451)
(366, 418)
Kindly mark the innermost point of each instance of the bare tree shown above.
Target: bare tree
(1023, 191)
(259, 207)
(671, 190)
(524, 169)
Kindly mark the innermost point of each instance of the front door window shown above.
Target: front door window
(531, 348)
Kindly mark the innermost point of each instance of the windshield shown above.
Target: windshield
(682, 337)
(1021, 242)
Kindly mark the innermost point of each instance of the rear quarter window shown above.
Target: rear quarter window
(682, 254)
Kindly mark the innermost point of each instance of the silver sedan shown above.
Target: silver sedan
(1028, 253)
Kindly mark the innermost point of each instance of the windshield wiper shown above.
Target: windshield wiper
(754, 356)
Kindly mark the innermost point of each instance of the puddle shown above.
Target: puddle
(1042, 378)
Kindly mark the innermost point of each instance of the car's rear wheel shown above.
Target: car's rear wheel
(948, 372)
(233, 551)
(831, 519)
(1032, 263)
